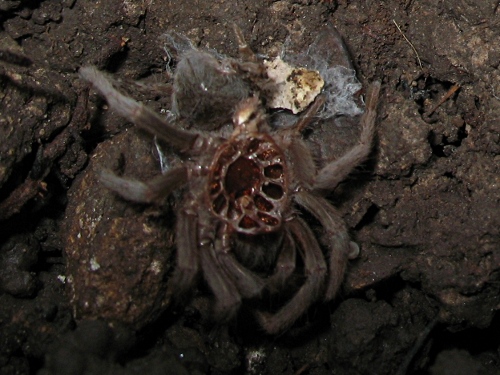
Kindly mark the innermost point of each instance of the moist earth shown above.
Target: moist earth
(82, 272)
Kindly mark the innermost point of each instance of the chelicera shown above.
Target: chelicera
(239, 223)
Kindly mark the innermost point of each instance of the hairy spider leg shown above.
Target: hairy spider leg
(250, 63)
(315, 272)
(139, 114)
(303, 165)
(248, 283)
(145, 192)
(285, 265)
(309, 114)
(336, 171)
(188, 262)
(336, 238)
(227, 296)
(244, 49)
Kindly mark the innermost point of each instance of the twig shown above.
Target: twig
(410, 43)
(410, 356)
(448, 95)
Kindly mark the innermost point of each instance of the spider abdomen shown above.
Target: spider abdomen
(247, 184)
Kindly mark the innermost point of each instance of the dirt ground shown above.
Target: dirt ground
(422, 298)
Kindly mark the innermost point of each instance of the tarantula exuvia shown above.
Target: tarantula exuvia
(239, 223)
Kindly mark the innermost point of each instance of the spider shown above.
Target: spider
(239, 224)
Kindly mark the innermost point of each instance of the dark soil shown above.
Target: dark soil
(422, 298)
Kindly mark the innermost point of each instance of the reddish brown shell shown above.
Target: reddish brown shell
(247, 185)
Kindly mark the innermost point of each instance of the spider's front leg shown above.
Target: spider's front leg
(142, 116)
(250, 63)
(336, 171)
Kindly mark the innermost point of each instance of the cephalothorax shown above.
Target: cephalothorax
(239, 223)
